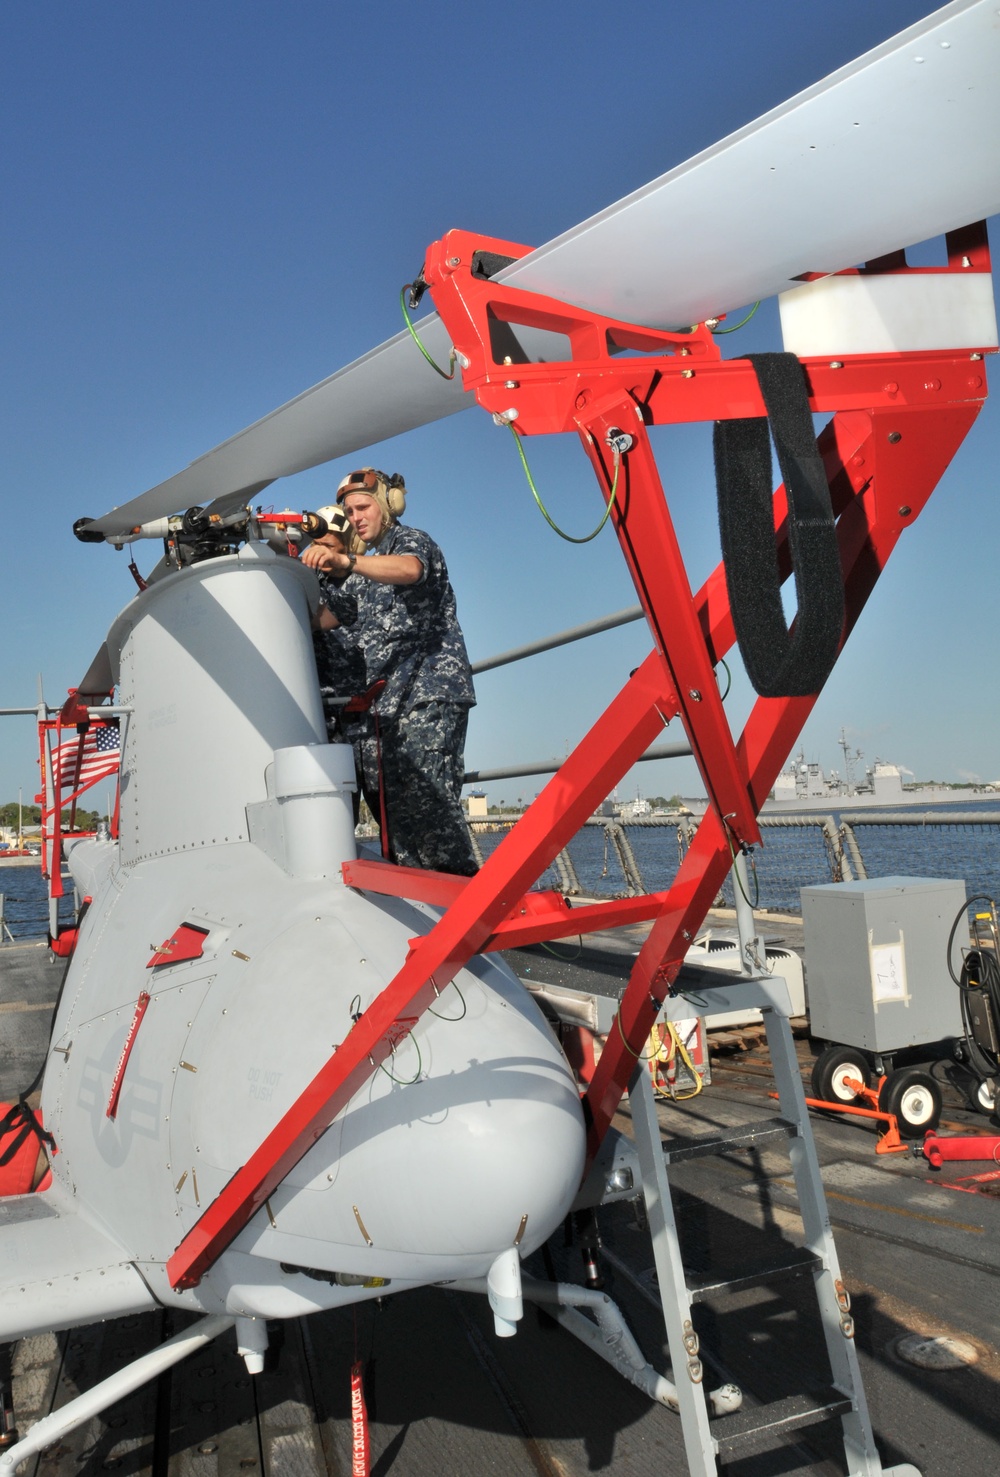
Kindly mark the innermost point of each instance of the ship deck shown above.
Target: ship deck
(920, 1252)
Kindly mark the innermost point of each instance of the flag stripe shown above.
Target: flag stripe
(99, 758)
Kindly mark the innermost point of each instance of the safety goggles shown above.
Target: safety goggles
(364, 481)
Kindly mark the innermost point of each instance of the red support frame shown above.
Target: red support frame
(897, 422)
(73, 715)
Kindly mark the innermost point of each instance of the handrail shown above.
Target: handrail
(922, 818)
(561, 638)
(549, 766)
(844, 859)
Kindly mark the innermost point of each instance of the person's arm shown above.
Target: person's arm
(390, 569)
(381, 569)
(324, 619)
(337, 607)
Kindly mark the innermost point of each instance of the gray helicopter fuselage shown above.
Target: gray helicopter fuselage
(236, 816)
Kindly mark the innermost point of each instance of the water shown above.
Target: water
(795, 857)
(26, 902)
(791, 857)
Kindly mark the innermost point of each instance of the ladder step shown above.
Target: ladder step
(747, 1137)
(798, 1263)
(754, 1425)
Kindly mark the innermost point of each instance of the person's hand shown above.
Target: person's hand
(330, 561)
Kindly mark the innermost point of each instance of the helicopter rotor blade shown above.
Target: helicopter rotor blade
(386, 391)
(894, 148)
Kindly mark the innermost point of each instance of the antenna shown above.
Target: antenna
(849, 761)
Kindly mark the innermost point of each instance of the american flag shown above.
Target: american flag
(100, 757)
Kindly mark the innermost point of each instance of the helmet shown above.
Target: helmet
(336, 521)
(388, 491)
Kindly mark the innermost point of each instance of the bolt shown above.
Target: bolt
(836, 363)
(891, 387)
(895, 436)
(454, 261)
(857, 460)
(905, 511)
(687, 374)
(975, 381)
(932, 384)
(694, 695)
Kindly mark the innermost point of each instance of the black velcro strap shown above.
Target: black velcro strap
(20, 1117)
(780, 662)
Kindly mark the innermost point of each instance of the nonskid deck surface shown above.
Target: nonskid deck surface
(445, 1395)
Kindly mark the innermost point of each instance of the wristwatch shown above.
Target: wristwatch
(352, 559)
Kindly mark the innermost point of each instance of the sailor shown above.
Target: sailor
(339, 663)
(411, 734)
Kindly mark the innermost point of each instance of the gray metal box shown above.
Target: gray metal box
(876, 972)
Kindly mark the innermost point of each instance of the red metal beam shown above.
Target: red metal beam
(440, 889)
(648, 541)
(535, 917)
(868, 531)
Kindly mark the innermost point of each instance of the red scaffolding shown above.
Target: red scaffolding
(897, 421)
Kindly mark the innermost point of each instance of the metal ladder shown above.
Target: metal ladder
(749, 1429)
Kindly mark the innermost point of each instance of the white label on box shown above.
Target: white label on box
(888, 970)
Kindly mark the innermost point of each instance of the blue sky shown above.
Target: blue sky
(210, 206)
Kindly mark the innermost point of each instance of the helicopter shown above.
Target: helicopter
(282, 1078)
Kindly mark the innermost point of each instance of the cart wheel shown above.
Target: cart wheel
(982, 1097)
(834, 1068)
(915, 1098)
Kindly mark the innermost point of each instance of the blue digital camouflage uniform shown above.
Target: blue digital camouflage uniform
(339, 663)
(412, 641)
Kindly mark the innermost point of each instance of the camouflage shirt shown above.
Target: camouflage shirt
(339, 661)
(409, 634)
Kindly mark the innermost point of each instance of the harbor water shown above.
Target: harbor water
(26, 901)
(796, 852)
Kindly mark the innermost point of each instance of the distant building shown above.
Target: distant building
(478, 805)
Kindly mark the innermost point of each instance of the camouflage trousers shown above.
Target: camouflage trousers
(423, 761)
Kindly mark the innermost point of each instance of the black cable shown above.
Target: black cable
(980, 971)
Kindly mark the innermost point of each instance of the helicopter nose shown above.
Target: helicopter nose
(483, 1156)
(471, 1141)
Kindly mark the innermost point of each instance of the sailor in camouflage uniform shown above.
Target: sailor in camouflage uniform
(339, 662)
(407, 628)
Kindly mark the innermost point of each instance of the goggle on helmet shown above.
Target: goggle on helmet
(336, 521)
(388, 491)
